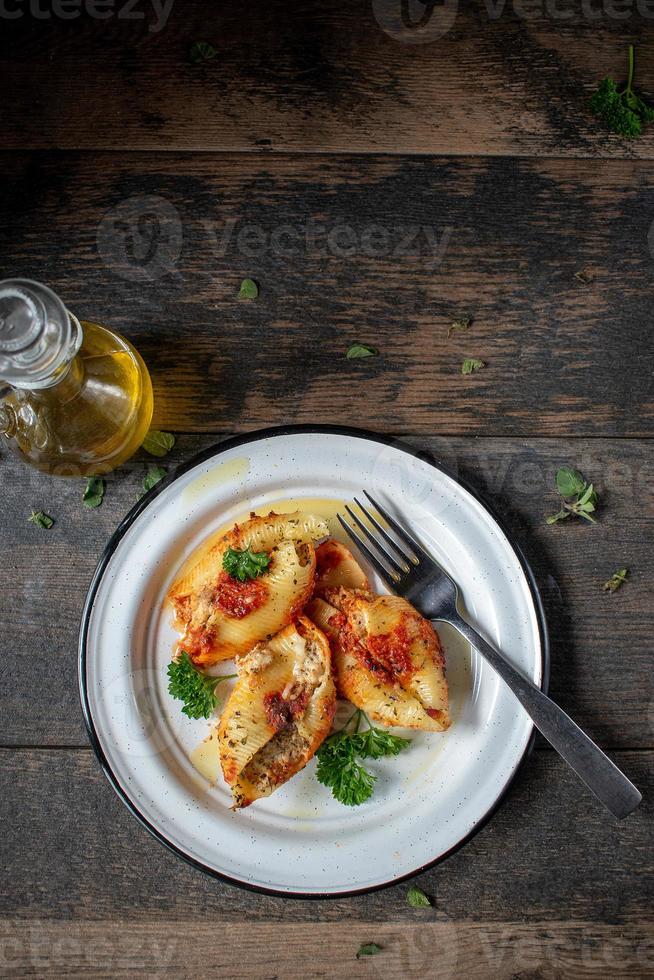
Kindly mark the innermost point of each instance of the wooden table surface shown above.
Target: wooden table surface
(377, 189)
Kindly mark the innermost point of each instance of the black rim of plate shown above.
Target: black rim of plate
(142, 504)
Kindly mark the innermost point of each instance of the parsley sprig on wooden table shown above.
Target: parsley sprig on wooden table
(617, 579)
(417, 899)
(338, 768)
(622, 109)
(368, 949)
(41, 519)
(248, 289)
(463, 323)
(93, 492)
(158, 443)
(472, 364)
(201, 51)
(579, 497)
(361, 350)
(154, 475)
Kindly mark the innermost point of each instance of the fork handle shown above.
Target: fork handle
(600, 775)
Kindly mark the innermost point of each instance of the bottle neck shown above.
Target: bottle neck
(62, 385)
(67, 383)
(38, 336)
(67, 377)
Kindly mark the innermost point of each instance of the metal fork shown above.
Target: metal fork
(412, 573)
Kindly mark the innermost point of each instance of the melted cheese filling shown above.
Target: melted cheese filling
(269, 765)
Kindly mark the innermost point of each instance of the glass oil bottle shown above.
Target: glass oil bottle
(75, 397)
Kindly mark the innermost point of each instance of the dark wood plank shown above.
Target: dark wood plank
(333, 76)
(562, 357)
(115, 949)
(601, 644)
(73, 851)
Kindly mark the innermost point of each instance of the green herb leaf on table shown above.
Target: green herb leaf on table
(93, 492)
(617, 579)
(417, 898)
(154, 475)
(244, 565)
(248, 289)
(569, 482)
(195, 689)
(201, 51)
(338, 768)
(361, 350)
(559, 516)
(471, 364)
(583, 277)
(368, 949)
(579, 497)
(622, 109)
(158, 443)
(461, 324)
(41, 519)
(587, 501)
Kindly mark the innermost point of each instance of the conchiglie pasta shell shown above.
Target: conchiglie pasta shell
(299, 747)
(263, 533)
(259, 534)
(388, 704)
(384, 613)
(427, 681)
(289, 581)
(337, 566)
(255, 757)
(417, 698)
(323, 615)
(243, 727)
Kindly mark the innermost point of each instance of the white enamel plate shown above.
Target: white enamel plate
(300, 841)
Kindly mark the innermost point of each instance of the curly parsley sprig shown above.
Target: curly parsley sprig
(621, 109)
(195, 689)
(247, 564)
(338, 768)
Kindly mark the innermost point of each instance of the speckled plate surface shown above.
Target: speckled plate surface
(299, 841)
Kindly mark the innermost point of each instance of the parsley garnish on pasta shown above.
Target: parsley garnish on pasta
(338, 768)
(195, 689)
(247, 564)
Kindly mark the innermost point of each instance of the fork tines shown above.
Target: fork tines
(389, 558)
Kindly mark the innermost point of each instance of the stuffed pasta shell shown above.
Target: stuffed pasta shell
(223, 608)
(336, 566)
(279, 712)
(387, 658)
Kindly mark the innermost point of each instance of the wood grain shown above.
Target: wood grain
(504, 79)
(75, 852)
(601, 644)
(547, 948)
(377, 190)
(157, 245)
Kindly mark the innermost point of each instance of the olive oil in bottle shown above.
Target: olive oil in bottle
(76, 397)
